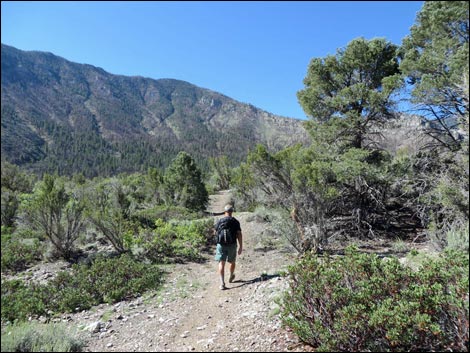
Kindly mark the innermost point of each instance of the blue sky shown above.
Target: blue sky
(256, 52)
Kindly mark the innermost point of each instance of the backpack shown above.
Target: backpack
(226, 235)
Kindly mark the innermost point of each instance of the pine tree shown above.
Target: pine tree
(183, 184)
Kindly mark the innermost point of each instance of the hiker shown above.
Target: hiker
(228, 231)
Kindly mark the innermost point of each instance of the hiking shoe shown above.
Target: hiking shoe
(222, 287)
(232, 277)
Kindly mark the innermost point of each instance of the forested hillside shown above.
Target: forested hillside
(59, 116)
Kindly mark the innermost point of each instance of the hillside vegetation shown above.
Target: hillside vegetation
(64, 117)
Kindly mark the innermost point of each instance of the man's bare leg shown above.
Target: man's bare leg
(232, 272)
(222, 273)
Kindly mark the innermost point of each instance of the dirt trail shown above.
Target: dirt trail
(191, 313)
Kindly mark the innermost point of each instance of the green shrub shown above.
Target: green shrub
(458, 238)
(56, 211)
(126, 278)
(73, 291)
(19, 301)
(18, 254)
(177, 241)
(36, 337)
(360, 302)
(106, 280)
(147, 217)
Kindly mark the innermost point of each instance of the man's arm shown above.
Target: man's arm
(240, 242)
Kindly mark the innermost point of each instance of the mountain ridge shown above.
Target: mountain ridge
(60, 116)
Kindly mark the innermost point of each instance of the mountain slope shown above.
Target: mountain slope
(66, 117)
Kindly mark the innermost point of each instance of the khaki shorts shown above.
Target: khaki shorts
(226, 252)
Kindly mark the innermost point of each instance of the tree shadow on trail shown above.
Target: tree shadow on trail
(240, 282)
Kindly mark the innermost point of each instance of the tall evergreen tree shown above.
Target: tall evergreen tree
(435, 59)
(355, 85)
(338, 184)
(221, 171)
(183, 183)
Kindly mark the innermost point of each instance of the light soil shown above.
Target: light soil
(191, 313)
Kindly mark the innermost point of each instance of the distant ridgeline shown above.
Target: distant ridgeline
(59, 116)
(411, 132)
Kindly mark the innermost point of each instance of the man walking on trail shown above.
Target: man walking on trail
(228, 231)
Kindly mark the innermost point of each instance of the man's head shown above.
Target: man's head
(228, 209)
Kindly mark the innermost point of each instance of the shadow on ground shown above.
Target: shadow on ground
(263, 277)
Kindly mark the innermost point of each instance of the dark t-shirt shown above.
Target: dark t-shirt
(233, 224)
